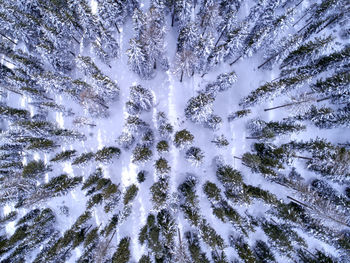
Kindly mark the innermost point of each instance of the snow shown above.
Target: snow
(171, 97)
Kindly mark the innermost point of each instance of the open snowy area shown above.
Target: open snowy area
(174, 131)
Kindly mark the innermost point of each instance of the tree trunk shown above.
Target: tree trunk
(116, 26)
(9, 39)
(306, 13)
(76, 40)
(298, 202)
(182, 74)
(286, 105)
(8, 61)
(222, 33)
(302, 157)
(330, 22)
(320, 213)
(155, 65)
(268, 60)
(173, 16)
(327, 98)
(304, 26)
(235, 60)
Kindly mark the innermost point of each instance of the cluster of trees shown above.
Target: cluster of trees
(52, 49)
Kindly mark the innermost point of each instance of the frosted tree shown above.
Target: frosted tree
(188, 37)
(262, 130)
(185, 63)
(182, 12)
(183, 138)
(213, 122)
(200, 108)
(223, 82)
(165, 129)
(319, 65)
(335, 88)
(307, 52)
(274, 88)
(112, 14)
(195, 156)
(138, 60)
(209, 15)
(220, 141)
(33, 229)
(141, 99)
(160, 192)
(327, 118)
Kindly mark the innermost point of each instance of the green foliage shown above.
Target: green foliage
(212, 191)
(194, 248)
(262, 252)
(162, 146)
(13, 112)
(220, 141)
(107, 153)
(32, 230)
(183, 138)
(35, 168)
(63, 156)
(162, 166)
(243, 250)
(315, 257)
(209, 235)
(158, 234)
(9, 217)
(228, 176)
(62, 184)
(91, 237)
(113, 222)
(256, 192)
(194, 155)
(239, 114)
(130, 194)
(84, 158)
(141, 176)
(141, 154)
(282, 237)
(40, 144)
(159, 191)
(103, 191)
(145, 259)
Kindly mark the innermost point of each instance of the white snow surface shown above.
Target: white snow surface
(171, 97)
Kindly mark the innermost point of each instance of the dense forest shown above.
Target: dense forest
(185, 131)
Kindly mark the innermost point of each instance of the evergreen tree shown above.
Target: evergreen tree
(141, 99)
(183, 138)
(262, 130)
(122, 255)
(194, 155)
(199, 108)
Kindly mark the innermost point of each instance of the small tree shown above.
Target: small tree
(199, 108)
(162, 166)
(183, 138)
(122, 255)
(107, 153)
(194, 155)
(162, 146)
(141, 154)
